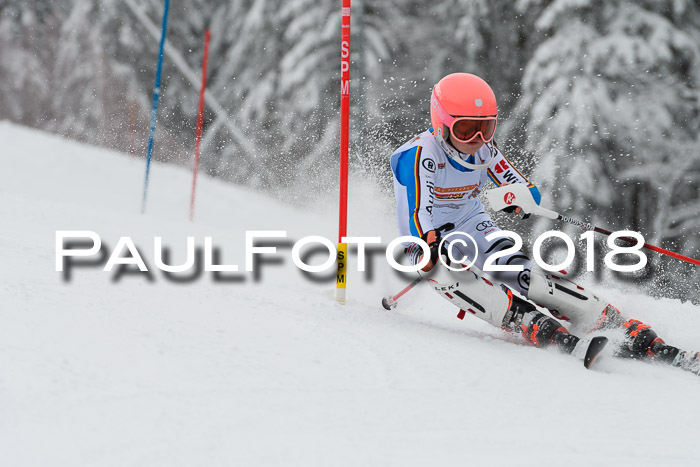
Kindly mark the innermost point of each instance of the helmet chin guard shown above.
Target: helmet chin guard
(454, 154)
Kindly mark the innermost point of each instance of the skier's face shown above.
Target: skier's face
(470, 147)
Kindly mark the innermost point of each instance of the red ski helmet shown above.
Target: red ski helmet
(464, 104)
(461, 95)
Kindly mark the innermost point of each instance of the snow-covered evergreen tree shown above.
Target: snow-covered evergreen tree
(24, 61)
(610, 105)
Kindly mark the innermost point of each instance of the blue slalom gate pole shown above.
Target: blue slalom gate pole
(154, 111)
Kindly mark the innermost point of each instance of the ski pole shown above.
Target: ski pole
(648, 246)
(389, 302)
(517, 194)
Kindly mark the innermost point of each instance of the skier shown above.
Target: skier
(438, 176)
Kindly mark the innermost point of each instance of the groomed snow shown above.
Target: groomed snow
(274, 372)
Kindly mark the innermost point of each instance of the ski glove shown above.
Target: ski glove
(432, 238)
(535, 195)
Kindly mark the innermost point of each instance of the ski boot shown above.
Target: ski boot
(543, 331)
(642, 342)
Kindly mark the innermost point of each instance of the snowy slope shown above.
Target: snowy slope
(273, 372)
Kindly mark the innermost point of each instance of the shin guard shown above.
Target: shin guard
(566, 300)
(471, 293)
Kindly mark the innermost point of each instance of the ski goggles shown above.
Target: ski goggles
(466, 129)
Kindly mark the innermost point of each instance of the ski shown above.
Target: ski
(670, 355)
(688, 361)
(595, 347)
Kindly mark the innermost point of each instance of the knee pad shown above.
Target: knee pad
(471, 293)
(566, 300)
(518, 281)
